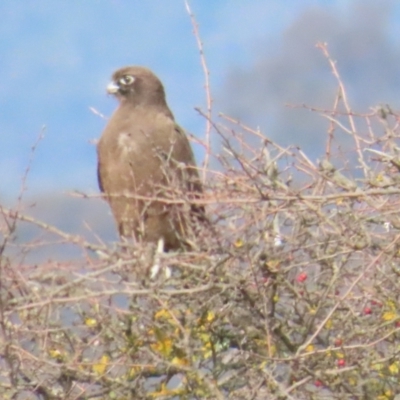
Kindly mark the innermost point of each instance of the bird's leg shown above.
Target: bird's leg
(155, 269)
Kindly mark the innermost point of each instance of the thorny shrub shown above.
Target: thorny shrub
(290, 292)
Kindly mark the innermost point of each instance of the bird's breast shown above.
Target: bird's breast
(126, 145)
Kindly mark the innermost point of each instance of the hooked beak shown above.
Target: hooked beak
(112, 88)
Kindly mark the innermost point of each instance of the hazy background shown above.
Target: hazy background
(57, 57)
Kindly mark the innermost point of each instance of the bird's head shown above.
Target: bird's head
(138, 85)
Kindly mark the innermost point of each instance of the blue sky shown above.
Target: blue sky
(57, 57)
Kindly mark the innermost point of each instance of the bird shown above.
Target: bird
(146, 168)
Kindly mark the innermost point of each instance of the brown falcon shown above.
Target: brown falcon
(146, 167)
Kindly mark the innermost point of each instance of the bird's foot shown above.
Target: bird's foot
(155, 269)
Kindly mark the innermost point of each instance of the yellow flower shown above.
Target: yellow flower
(163, 346)
(180, 361)
(238, 243)
(389, 315)
(162, 314)
(309, 348)
(90, 322)
(56, 354)
(394, 368)
(101, 366)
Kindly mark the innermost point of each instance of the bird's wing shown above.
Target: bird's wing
(183, 148)
(99, 181)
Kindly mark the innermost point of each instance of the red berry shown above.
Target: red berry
(338, 342)
(318, 383)
(301, 277)
(367, 311)
(341, 362)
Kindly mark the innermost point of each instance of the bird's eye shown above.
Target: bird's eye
(127, 80)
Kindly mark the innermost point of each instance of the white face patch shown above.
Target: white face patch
(126, 143)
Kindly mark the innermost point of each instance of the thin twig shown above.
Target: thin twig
(209, 100)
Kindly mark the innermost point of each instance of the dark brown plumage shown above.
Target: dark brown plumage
(143, 155)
